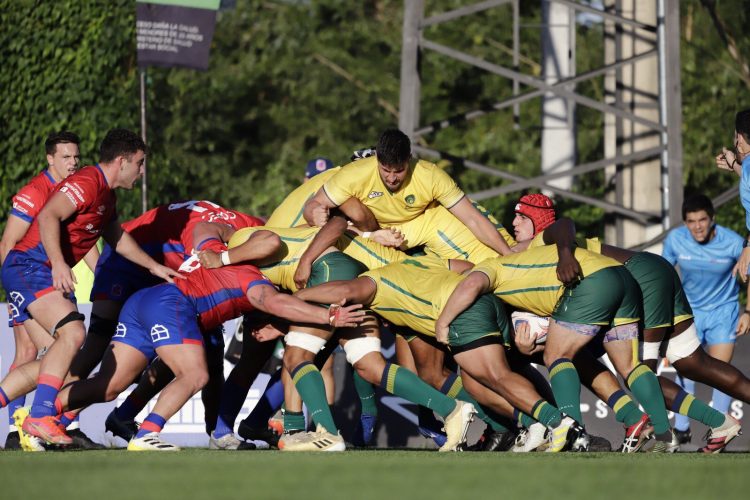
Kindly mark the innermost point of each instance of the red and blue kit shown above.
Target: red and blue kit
(179, 313)
(26, 206)
(26, 273)
(166, 234)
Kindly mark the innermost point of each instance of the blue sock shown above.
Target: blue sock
(152, 423)
(721, 401)
(46, 394)
(13, 406)
(232, 398)
(268, 404)
(68, 418)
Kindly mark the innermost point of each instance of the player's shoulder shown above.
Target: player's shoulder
(728, 234)
(356, 169)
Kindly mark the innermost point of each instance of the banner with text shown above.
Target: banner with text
(175, 32)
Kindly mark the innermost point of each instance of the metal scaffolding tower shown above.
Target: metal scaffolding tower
(657, 41)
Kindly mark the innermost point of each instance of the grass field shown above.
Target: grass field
(376, 474)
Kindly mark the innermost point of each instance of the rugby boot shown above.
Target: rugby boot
(493, 441)
(661, 443)
(319, 440)
(535, 438)
(82, 442)
(365, 430)
(258, 434)
(717, 438)
(456, 426)
(637, 435)
(12, 441)
(47, 428)
(151, 442)
(124, 429)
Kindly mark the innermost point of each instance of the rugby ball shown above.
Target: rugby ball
(538, 324)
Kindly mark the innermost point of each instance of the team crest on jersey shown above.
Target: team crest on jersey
(159, 332)
(375, 194)
(17, 298)
(120, 331)
(409, 199)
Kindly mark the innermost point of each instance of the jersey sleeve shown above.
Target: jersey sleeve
(342, 186)
(251, 276)
(490, 268)
(668, 250)
(80, 190)
(444, 189)
(27, 203)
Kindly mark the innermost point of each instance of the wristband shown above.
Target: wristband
(225, 257)
(366, 235)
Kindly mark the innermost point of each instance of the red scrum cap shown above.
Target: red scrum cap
(539, 208)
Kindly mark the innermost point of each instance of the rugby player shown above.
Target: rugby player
(37, 272)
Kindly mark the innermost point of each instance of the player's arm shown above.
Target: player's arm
(474, 285)
(259, 249)
(359, 291)
(15, 229)
(743, 325)
(562, 233)
(317, 208)
(57, 209)
(479, 225)
(203, 232)
(267, 299)
(326, 238)
(361, 216)
(91, 258)
(124, 244)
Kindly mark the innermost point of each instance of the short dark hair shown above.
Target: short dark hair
(393, 148)
(742, 124)
(62, 137)
(120, 142)
(696, 203)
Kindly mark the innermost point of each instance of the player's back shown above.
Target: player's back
(289, 212)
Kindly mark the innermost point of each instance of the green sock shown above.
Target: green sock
(407, 385)
(686, 404)
(453, 387)
(566, 387)
(626, 411)
(546, 414)
(309, 383)
(294, 421)
(645, 387)
(366, 392)
(523, 419)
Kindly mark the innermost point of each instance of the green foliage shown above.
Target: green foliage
(290, 80)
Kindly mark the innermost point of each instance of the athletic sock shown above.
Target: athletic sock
(366, 392)
(546, 414)
(309, 383)
(407, 385)
(4, 401)
(48, 386)
(645, 387)
(232, 397)
(566, 386)
(453, 387)
(523, 419)
(152, 423)
(686, 404)
(294, 421)
(69, 418)
(682, 422)
(268, 404)
(129, 408)
(626, 411)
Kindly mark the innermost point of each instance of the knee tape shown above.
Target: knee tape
(650, 350)
(357, 349)
(102, 327)
(72, 316)
(683, 345)
(305, 341)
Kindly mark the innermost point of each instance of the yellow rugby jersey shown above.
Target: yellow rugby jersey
(371, 254)
(412, 292)
(447, 237)
(538, 241)
(528, 280)
(294, 242)
(424, 183)
(594, 245)
(289, 213)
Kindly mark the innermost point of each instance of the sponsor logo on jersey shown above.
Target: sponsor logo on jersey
(375, 194)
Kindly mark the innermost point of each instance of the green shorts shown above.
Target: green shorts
(658, 281)
(609, 296)
(334, 266)
(486, 319)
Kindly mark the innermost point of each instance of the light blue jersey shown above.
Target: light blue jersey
(745, 189)
(706, 269)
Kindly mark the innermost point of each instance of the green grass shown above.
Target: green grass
(362, 475)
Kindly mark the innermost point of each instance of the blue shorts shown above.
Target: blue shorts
(158, 316)
(719, 325)
(116, 278)
(25, 279)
